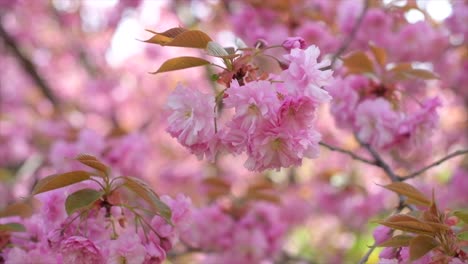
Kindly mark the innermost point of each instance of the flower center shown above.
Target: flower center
(276, 144)
(253, 110)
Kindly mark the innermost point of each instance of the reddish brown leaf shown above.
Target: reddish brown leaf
(413, 194)
(402, 218)
(92, 162)
(421, 245)
(23, 209)
(171, 33)
(421, 74)
(263, 196)
(217, 182)
(410, 226)
(397, 241)
(60, 180)
(181, 63)
(191, 39)
(358, 62)
(178, 37)
(261, 185)
(379, 54)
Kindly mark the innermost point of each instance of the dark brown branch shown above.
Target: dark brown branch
(347, 152)
(27, 65)
(435, 163)
(379, 160)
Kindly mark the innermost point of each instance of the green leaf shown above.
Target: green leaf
(181, 63)
(23, 209)
(57, 181)
(413, 194)
(421, 245)
(12, 227)
(81, 199)
(358, 62)
(178, 37)
(146, 193)
(462, 215)
(397, 241)
(463, 236)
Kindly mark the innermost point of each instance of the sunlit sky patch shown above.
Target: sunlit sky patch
(124, 43)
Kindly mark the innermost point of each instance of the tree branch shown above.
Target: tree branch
(435, 163)
(365, 258)
(379, 160)
(351, 36)
(348, 152)
(27, 65)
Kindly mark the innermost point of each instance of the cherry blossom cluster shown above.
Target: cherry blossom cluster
(254, 237)
(101, 235)
(124, 153)
(273, 119)
(370, 109)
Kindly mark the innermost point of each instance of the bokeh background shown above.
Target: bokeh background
(74, 78)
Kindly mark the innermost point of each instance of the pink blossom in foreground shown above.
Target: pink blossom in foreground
(254, 102)
(77, 249)
(304, 74)
(191, 118)
(274, 147)
(297, 113)
(127, 248)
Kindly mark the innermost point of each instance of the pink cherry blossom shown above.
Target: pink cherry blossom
(274, 147)
(381, 233)
(191, 119)
(77, 249)
(253, 102)
(376, 122)
(126, 248)
(305, 72)
(294, 43)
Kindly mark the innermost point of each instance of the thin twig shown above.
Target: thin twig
(351, 36)
(379, 160)
(27, 65)
(365, 258)
(436, 163)
(348, 152)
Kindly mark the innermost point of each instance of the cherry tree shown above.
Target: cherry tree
(305, 131)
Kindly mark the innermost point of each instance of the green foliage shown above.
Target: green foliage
(82, 199)
(462, 215)
(12, 227)
(146, 193)
(422, 231)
